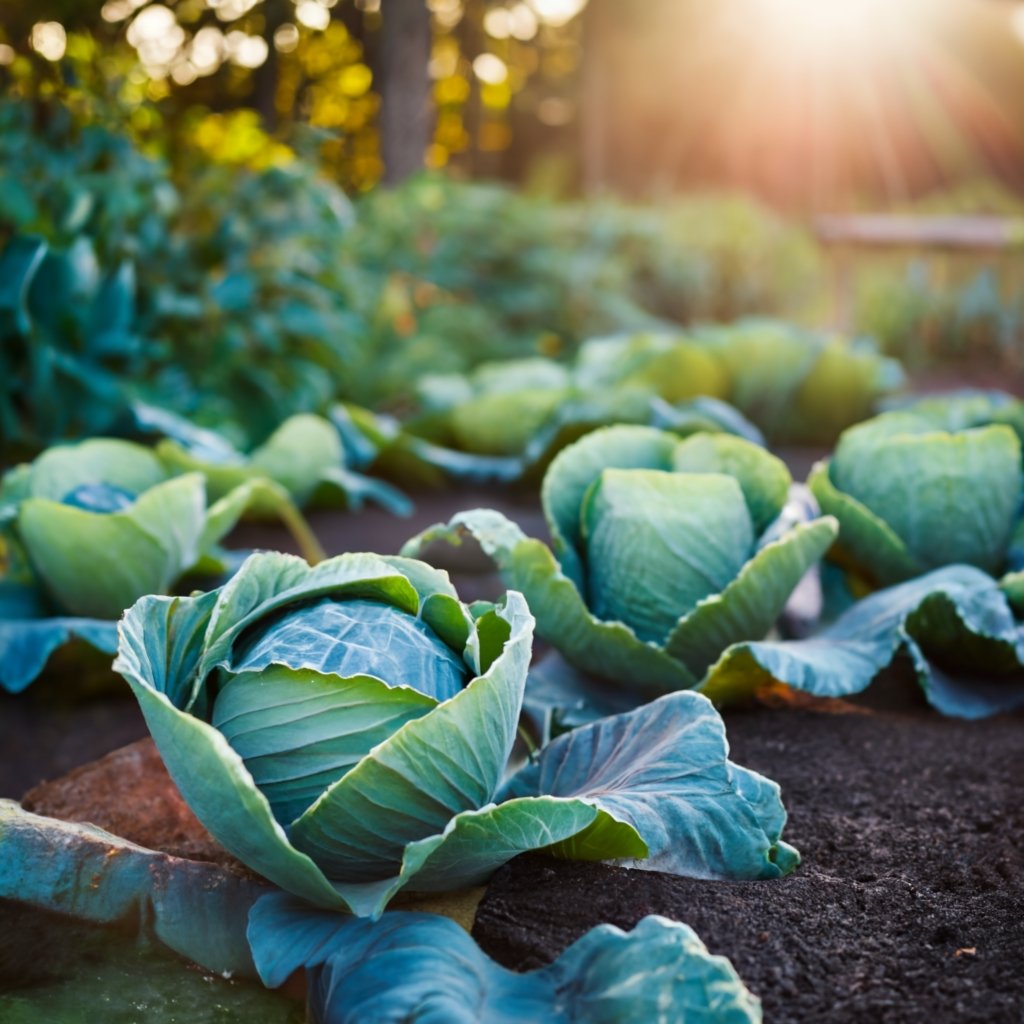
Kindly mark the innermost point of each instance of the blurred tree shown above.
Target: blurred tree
(811, 104)
(405, 88)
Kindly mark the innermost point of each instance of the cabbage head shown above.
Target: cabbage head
(345, 729)
(89, 528)
(911, 497)
(666, 552)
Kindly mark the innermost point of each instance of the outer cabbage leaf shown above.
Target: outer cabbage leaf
(749, 606)
(703, 415)
(59, 470)
(98, 564)
(304, 456)
(198, 910)
(664, 769)
(422, 967)
(866, 546)
(30, 634)
(955, 624)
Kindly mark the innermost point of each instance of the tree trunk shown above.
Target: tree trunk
(404, 87)
(264, 92)
(596, 113)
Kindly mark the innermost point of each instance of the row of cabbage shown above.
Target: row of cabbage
(790, 385)
(349, 730)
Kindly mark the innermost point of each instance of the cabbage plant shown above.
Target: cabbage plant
(665, 553)
(800, 386)
(90, 528)
(930, 531)
(304, 455)
(344, 730)
(964, 408)
(911, 497)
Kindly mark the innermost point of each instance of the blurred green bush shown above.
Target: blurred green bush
(238, 296)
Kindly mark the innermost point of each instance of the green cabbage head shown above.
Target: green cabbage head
(99, 524)
(911, 497)
(323, 721)
(345, 730)
(666, 552)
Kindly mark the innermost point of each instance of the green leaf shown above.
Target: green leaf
(303, 458)
(299, 731)
(502, 424)
(610, 650)
(658, 543)
(866, 544)
(763, 478)
(271, 581)
(198, 910)
(954, 623)
(59, 470)
(574, 470)
(298, 453)
(30, 634)
(396, 795)
(748, 607)
(664, 770)
(19, 263)
(96, 564)
(161, 643)
(412, 964)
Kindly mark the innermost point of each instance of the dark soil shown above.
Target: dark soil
(909, 904)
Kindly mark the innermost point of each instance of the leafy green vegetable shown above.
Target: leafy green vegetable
(956, 626)
(666, 552)
(30, 632)
(794, 385)
(954, 411)
(798, 386)
(344, 729)
(530, 409)
(410, 965)
(910, 497)
(90, 528)
(67, 340)
(304, 455)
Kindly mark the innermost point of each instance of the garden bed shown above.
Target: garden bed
(909, 905)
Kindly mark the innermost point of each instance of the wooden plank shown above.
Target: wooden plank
(885, 231)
